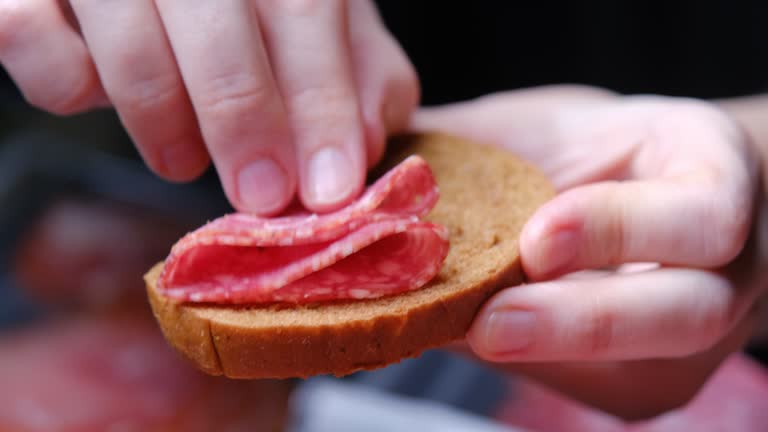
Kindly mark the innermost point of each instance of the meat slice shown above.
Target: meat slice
(374, 247)
(116, 373)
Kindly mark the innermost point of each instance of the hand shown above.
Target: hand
(285, 96)
(671, 182)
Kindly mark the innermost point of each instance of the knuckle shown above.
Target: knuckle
(298, 7)
(607, 217)
(728, 215)
(150, 92)
(598, 333)
(692, 110)
(615, 226)
(675, 114)
(236, 93)
(331, 105)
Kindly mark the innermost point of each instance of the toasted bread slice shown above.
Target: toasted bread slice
(486, 195)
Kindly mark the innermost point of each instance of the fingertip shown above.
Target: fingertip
(264, 187)
(476, 339)
(533, 231)
(180, 163)
(100, 100)
(503, 331)
(82, 93)
(549, 242)
(332, 179)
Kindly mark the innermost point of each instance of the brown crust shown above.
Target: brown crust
(486, 197)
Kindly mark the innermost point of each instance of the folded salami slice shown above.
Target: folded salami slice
(374, 247)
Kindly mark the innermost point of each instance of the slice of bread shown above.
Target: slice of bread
(486, 195)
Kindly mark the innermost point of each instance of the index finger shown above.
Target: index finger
(226, 69)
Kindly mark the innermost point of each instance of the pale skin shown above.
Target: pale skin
(641, 179)
(288, 98)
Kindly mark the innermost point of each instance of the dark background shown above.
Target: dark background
(705, 49)
(464, 49)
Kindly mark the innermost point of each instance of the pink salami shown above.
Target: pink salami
(117, 373)
(374, 247)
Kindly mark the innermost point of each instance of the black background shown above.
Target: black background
(464, 49)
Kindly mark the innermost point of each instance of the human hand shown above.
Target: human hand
(284, 96)
(642, 179)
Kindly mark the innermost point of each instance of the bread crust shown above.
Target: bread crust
(486, 197)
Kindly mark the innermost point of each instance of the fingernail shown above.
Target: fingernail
(262, 186)
(557, 250)
(509, 331)
(329, 176)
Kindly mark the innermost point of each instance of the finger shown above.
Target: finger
(656, 314)
(703, 176)
(611, 223)
(139, 73)
(307, 44)
(387, 84)
(46, 58)
(631, 389)
(242, 118)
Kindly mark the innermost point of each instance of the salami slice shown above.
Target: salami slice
(374, 247)
(117, 373)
